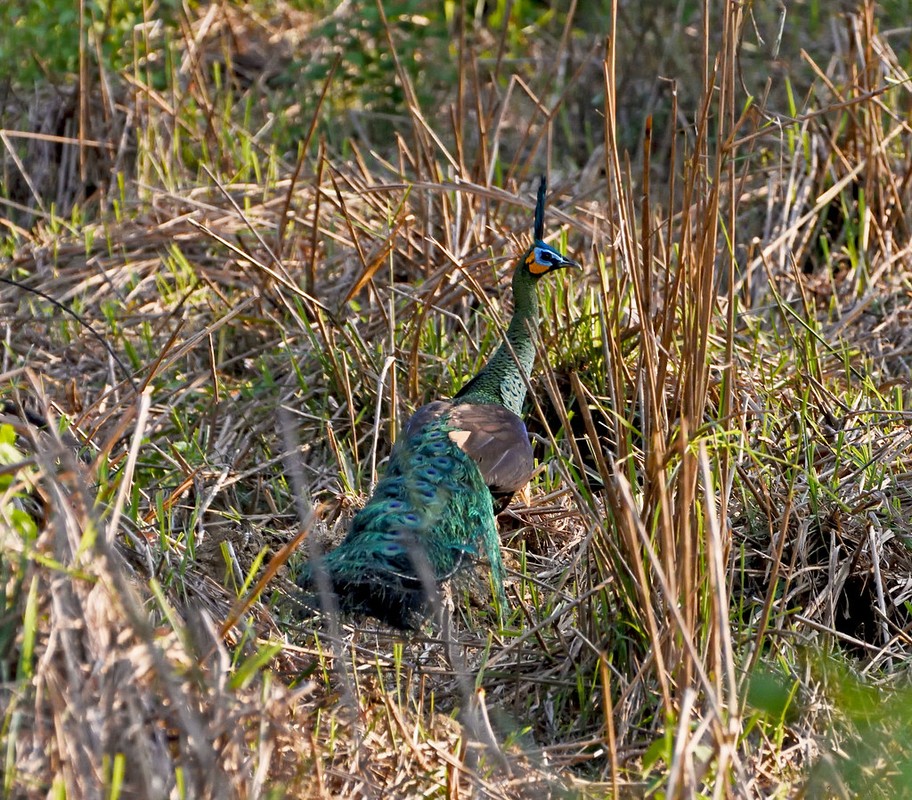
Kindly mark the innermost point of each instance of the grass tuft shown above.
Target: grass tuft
(235, 260)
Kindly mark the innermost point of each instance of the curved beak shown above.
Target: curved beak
(566, 261)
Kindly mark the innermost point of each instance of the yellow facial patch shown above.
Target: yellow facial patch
(536, 267)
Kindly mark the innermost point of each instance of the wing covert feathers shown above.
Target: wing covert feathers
(497, 441)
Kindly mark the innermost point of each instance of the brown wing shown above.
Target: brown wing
(497, 440)
(424, 415)
(493, 437)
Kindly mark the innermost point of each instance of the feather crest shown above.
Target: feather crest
(538, 230)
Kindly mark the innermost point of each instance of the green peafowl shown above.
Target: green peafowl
(455, 466)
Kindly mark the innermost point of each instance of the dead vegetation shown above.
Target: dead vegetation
(710, 577)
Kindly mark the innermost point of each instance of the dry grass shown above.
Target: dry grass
(710, 576)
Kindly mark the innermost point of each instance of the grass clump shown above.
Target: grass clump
(219, 313)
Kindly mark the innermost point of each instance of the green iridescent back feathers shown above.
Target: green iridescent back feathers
(455, 464)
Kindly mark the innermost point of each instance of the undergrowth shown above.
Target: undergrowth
(227, 281)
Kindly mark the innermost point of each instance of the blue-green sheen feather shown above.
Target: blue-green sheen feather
(431, 507)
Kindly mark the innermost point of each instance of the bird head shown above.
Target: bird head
(541, 258)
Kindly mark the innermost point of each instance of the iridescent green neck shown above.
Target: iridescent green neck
(501, 380)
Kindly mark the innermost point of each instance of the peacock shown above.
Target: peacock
(454, 467)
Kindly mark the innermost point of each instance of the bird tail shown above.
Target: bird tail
(347, 582)
(429, 517)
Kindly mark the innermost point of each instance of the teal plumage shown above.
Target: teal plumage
(456, 464)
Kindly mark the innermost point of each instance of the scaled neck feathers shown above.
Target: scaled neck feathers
(502, 380)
